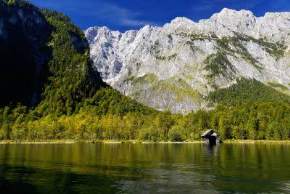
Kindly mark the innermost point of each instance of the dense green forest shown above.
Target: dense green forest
(265, 120)
(66, 98)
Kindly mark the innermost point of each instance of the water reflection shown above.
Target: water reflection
(149, 168)
(211, 150)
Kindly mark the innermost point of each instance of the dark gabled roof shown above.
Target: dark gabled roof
(207, 133)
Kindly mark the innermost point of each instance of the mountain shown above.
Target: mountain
(39, 49)
(45, 64)
(50, 89)
(23, 52)
(178, 66)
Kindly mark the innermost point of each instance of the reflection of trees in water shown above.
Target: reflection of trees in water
(176, 179)
(10, 181)
(15, 178)
(14, 184)
(252, 168)
(20, 180)
(100, 168)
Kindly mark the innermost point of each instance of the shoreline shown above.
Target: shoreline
(3, 142)
(256, 141)
(71, 141)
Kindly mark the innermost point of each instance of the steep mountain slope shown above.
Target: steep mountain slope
(175, 67)
(45, 64)
(34, 66)
(49, 89)
(23, 52)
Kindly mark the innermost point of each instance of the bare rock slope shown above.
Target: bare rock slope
(174, 67)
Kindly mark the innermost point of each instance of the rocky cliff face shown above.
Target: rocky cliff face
(176, 66)
(24, 33)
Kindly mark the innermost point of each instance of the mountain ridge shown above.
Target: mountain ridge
(216, 17)
(154, 64)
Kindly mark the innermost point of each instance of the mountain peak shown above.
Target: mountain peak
(183, 20)
(242, 12)
(174, 66)
(228, 21)
(94, 32)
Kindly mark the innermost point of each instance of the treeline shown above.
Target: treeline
(246, 110)
(247, 90)
(257, 121)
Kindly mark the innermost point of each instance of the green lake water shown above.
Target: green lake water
(144, 168)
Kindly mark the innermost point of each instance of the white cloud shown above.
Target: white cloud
(132, 22)
(101, 10)
(122, 16)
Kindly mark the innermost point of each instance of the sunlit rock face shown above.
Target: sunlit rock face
(174, 67)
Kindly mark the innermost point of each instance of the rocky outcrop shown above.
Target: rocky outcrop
(174, 67)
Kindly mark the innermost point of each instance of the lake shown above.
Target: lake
(144, 168)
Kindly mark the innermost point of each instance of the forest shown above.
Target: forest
(257, 121)
(110, 116)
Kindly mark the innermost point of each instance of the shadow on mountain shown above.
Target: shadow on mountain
(24, 36)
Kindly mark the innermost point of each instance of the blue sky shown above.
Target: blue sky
(133, 14)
